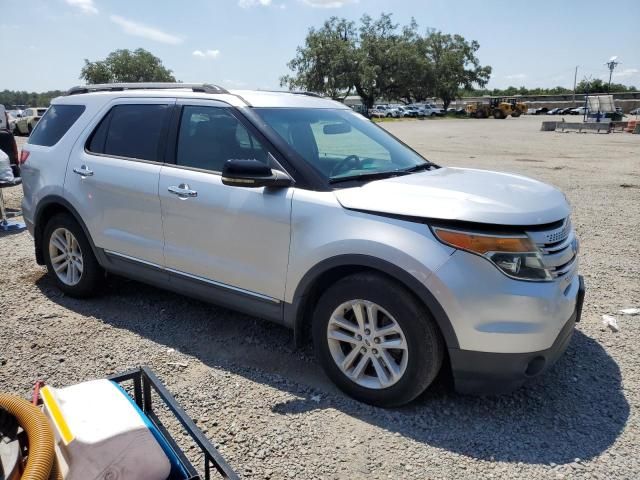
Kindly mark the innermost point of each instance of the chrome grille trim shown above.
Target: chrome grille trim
(558, 248)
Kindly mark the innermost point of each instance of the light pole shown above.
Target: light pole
(611, 64)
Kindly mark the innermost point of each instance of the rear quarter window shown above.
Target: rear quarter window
(130, 131)
(55, 123)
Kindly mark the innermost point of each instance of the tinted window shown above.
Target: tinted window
(55, 123)
(132, 131)
(209, 136)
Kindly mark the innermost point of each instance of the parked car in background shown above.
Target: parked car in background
(566, 111)
(30, 117)
(411, 111)
(554, 111)
(377, 112)
(4, 118)
(430, 110)
(417, 109)
(394, 266)
(404, 112)
(12, 121)
(619, 111)
(393, 111)
(579, 111)
(635, 111)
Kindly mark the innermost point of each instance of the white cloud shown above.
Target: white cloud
(206, 53)
(516, 76)
(253, 3)
(627, 72)
(85, 6)
(328, 3)
(144, 31)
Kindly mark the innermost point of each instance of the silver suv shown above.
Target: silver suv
(295, 209)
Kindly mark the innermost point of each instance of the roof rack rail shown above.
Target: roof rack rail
(294, 92)
(308, 94)
(115, 87)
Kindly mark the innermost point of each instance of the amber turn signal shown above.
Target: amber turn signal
(482, 244)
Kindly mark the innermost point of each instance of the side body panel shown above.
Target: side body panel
(119, 202)
(322, 229)
(234, 236)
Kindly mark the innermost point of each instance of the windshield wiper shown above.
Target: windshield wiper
(419, 167)
(369, 176)
(385, 174)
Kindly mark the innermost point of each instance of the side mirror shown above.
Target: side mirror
(253, 174)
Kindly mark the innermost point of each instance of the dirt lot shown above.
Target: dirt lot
(272, 412)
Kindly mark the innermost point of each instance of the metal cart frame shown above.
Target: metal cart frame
(144, 380)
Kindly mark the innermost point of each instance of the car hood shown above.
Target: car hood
(460, 194)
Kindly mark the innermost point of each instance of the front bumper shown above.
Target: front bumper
(485, 373)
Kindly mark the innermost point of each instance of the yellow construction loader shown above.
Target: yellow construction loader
(498, 107)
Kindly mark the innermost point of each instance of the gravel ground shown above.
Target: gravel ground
(272, 412)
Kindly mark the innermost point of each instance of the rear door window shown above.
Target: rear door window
(131, 131)
(55, 123)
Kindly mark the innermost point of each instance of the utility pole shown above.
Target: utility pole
(611, 64)
(575, 78)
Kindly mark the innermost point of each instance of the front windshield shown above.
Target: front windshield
(340, 143)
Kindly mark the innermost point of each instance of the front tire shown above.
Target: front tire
(376, 341)
(69, 257)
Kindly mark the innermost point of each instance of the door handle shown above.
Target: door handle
(183, 191)
(83, 171)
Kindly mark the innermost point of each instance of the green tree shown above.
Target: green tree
(325, 63)
(380, 60)
(598, 85)
(12, 98)
(126, 66)
(414, 74)
(377, 58)
(455, 64)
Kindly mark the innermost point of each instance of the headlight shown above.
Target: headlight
(516, 255)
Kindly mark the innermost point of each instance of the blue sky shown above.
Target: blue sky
(247, 43)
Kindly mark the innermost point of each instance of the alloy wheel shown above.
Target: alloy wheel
(367, 344)
(66, 256)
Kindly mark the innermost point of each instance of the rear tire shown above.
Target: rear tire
(382, 369)
(69, 257)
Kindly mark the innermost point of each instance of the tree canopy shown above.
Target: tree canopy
(585, 86)
(13, 98)
(126, 66)
(378, 59)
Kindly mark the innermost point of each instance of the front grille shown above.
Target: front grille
(559, 248)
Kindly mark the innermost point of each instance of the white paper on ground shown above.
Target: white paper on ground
(610, 322)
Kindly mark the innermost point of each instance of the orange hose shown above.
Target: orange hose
(41, 463)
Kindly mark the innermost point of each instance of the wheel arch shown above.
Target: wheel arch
(47, 208)
(298, 313)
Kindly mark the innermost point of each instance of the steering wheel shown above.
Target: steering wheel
(342, 166)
